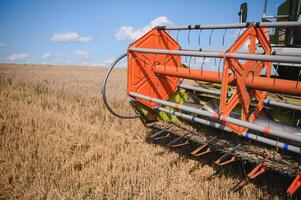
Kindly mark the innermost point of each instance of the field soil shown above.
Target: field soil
(57, 141)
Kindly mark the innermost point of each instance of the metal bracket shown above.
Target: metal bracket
(171, 144)
(259, 169)
(180, 145)
(161, 137)
(159, 132)
(199, 151)
(294, 185)
(223, 160)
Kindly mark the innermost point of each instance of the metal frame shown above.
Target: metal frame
(221, 54)
(234, 26)
(247, 135)
(217, 92)
(216, 116)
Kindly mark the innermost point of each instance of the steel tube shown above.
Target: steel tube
(104, 87)
(275, 51)
(283, 105)
(234, 26)
(211, 54)
(266, 130)
(274, 17)
(199, 89)
(181, 72)
(248, 135)
(193, 118)
(274, 85)
(218, 92)
(258, 83)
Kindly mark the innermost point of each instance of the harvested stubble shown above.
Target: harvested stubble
(57, 141)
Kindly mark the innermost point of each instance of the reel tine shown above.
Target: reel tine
(224, 37)
(188, 37)
(210, 36)
(202, 65)
(199, 37)
(239, 33)
(178, 33)
(189, 63)
(276, 72)
(298, 78)
(219, 65)
(224, 60)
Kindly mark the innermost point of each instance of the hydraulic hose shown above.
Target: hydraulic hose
(103, 92)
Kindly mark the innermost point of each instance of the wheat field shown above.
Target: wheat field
(57, 141)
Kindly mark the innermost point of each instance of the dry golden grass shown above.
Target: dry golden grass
(57, 141)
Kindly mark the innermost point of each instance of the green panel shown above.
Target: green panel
(179, 97)
(148, 115)
(283, 9)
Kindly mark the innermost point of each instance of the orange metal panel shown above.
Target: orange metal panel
(243, 96)
(295, 184)
(141, 77)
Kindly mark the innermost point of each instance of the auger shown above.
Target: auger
(256, 96)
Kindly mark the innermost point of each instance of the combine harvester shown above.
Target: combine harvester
(247, 110)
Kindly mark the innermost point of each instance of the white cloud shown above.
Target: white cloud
(130, 33)
(70, 37)
(82, 53)
(85, 39)
(21, 56)
(65, 37)
(53, 58)
(47, 55)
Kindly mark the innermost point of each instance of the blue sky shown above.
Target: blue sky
(94, 32)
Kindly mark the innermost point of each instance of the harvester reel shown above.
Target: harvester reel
(246, 87)
(240, 72)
